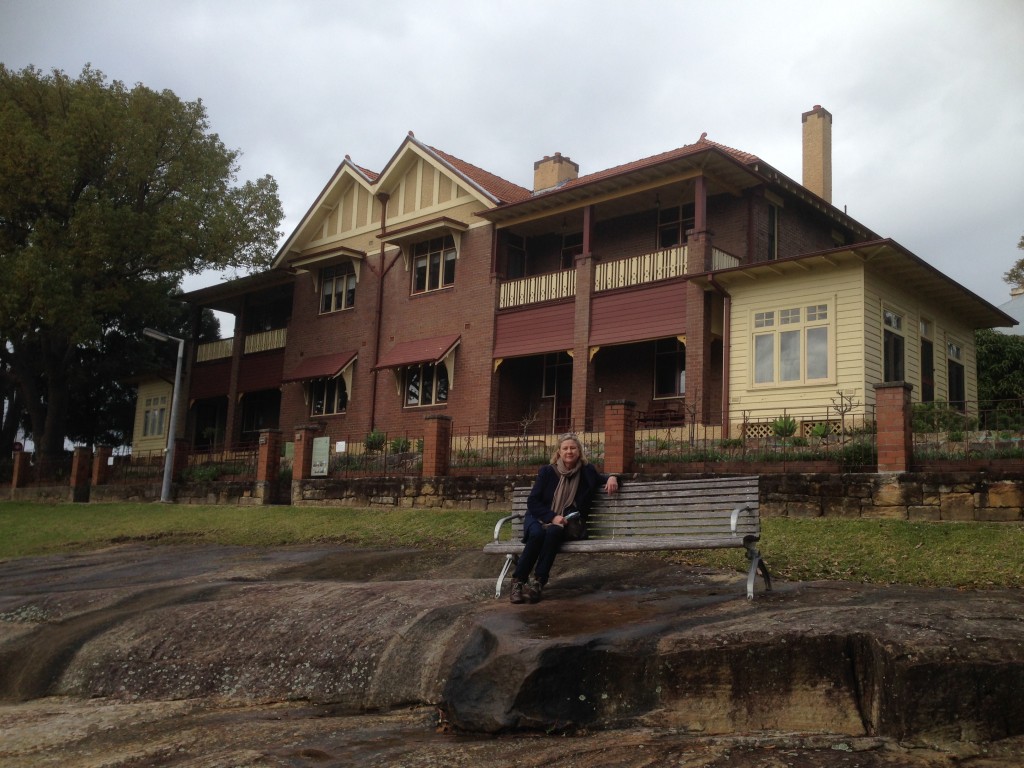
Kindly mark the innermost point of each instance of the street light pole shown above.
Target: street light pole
(165, 491)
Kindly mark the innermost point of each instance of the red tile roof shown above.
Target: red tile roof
(505, 191)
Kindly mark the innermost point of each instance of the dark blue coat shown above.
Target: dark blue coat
(538, 503)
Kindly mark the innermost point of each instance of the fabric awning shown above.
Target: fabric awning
(321, 367)
(431, 350)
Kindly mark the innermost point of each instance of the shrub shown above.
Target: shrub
(375, 440)
(784, 426)
(400, 445)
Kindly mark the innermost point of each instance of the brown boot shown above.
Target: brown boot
(516, 595)
(534, 591)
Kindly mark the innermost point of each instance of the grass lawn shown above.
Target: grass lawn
(968, 555)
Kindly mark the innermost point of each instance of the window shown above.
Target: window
(572, 246)
(515, 250)
(337, 288)
(673, 224)
(955, 374)
(426, 384)
(669, 368)
(433, 264)
(791, 345)
(328, 396)
(154, 416)
(892, 345)
(927, 362)
(557, 368)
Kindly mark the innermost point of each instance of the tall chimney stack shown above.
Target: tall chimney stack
(552, 171)
(818, 152)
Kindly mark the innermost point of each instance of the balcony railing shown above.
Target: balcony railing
(637, 270)
(254, 342)
(214, 350)
(533, 290)
(722, 260)
(266, 340)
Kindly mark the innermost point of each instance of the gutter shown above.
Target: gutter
(726, 349)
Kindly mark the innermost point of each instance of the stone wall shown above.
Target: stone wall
(903, 496)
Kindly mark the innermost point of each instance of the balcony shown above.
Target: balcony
(266, 340)
(533, 290)
(214, 350)
(722, 260)
(637, 270)
(254, 342)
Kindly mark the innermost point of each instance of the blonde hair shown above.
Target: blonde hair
(569, 436)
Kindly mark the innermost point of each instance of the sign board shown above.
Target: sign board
(321, 456)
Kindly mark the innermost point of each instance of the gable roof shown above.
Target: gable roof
(884, 256)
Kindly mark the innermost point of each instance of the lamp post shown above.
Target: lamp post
(165, 491)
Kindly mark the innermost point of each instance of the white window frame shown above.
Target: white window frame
(773, 332)
(446, 254)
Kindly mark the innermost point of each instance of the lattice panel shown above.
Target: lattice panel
(755, 430)
(806, 427)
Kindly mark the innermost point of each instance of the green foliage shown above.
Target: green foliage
(1015, 275)
(1000, 366)
(940, 417)
(375, 441)
(858, 454)
(821, 431)
(784, 426)
(202, 473)
(109, 195)
(400, 445)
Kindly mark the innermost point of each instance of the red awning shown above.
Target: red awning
(419, 351)
(321, 367)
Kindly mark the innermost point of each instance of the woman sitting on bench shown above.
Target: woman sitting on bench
(565, 486)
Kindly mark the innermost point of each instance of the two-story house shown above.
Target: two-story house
(698, 283)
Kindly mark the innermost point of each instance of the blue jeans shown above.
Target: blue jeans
(541, 547)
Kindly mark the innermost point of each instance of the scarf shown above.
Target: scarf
(568, 483)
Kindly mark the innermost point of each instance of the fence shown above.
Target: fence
(967, 431)
(139, 467)
(766, 441)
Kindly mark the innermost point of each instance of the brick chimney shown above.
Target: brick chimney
(818, 151)
(552, 171)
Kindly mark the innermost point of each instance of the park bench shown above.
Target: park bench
(660, 515)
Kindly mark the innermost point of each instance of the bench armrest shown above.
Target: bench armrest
(497, 526)
(735, 517)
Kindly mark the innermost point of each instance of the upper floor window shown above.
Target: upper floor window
(426, 384)
(515, 256)
(893, 345)
(337, 288)
(572, 246)
(792, 345)
(669, 368)
(433, 263)
(673, 224)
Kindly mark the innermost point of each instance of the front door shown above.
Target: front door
(927, 371)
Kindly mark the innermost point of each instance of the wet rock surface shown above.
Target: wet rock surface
(206, 656)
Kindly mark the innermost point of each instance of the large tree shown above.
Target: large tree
(109, 195)
(1015, 276)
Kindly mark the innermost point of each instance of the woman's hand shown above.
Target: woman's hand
(612, 485)
(558, 520)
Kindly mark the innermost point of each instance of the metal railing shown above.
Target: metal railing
(145, 467)
(968, 430)
(763, 440)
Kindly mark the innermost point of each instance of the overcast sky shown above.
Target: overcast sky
(927, 97)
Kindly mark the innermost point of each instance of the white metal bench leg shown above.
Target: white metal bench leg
(509, 562)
